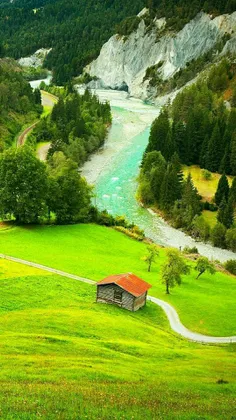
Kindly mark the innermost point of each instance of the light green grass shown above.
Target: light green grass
(40, 144)
(206, 305)
(210, 217)
(65, 357)
(206, 189)
(46, 111)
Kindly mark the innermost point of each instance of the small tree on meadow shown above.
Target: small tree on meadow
(173, 269)
(151, 255)
(203, 265)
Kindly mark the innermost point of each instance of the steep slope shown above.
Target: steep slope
(131, 62)
(18, 103)
(74, 29)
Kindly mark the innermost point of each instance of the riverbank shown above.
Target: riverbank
(114, 169)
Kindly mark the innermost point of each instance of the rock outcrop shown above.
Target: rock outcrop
(123, 61)
(36, 59)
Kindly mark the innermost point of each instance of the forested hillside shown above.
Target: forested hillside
(77, 126)
(199, 128)
(18, 103)
(76, 30)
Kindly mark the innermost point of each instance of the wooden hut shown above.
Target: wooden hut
(125, 290)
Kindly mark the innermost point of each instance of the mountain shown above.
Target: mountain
(74, 29)
(154, 58)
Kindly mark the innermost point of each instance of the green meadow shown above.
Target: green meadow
(206, 305)
(65, 357)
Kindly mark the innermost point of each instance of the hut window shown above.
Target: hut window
(118, 295)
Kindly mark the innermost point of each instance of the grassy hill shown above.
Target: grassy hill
(65, 357)
(86, 250)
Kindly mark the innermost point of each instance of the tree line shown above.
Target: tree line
(197, 129)
(198, 126)
(18, 103)
(31, 191)
(75, 30)
(76, 127)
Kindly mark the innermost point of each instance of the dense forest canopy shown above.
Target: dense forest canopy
(76, 30)
(18, 102)
(199, 128)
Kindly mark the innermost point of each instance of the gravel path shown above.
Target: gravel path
(167, 308)
(22, 137)
(179, 328)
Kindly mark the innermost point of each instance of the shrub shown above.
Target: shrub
(218, 235)
(231, 239)
(189, 250)
(207, 175)
(129, 233)
(230, 266)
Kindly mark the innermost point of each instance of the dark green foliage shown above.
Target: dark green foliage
(214, 156)
(75, 29)
(230, 266)
(202, 131)
(189, 206)
(77, 126)
(218, 235)
(23, 182)
(127, 26)
(233, 154)
(69, 197)
(160, 132)
(222, 190)
(18, 102)
(232, 194)
(200, 228)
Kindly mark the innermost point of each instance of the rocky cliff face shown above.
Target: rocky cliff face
(123, 61)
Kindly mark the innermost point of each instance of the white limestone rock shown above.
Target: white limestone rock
(35, 60)
(123, 61)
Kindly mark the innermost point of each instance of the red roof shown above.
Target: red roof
(129, 282)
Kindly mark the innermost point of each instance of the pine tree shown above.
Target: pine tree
(232, 193)
(204, 152)
(222, 190)
(225, 166)
(233, 154)
(169, 147)
(159, 132)
(190, 203)
(229, 214)
(221, 211)
(170, 189)
(180, 139)
(214, 150)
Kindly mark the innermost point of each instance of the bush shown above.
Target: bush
(231, 239)
(188, 250)
(230, 266)
(129, 233)
(218, 235)
(207, 175)
(200, 228)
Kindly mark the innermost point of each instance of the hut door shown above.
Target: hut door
(118, 296)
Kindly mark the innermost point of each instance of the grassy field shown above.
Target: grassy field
(205, 188)
(65, 357)
(206, 305)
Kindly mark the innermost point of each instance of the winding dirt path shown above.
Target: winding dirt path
(23, 136)
(170, 312)
(48, 100)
